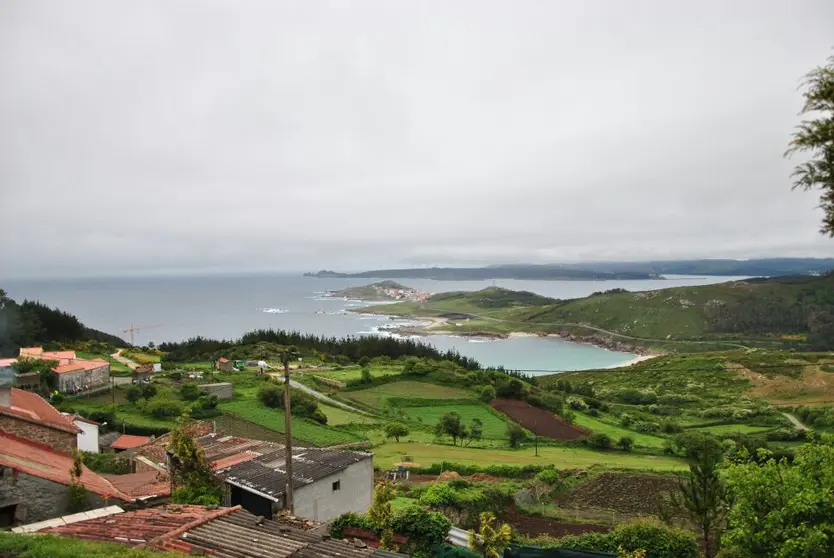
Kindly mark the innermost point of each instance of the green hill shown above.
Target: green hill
(32, 323)
(784, 311)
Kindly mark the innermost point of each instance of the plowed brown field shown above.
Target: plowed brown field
(542, 422)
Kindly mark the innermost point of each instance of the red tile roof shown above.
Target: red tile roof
(126, 441)
(58, 355)
(34, 408)
(4, 362)
(140, 526)
(79, 364)
(142, 485)
(31, 352)
(41, 461)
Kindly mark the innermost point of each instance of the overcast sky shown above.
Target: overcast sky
(173, 136)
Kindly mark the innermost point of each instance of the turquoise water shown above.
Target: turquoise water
(175, 308)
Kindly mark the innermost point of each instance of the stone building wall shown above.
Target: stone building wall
(57, 439)
(37, 499)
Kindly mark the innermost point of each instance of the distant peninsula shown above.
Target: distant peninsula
(604, 271)
(531, 272)
(384, 290)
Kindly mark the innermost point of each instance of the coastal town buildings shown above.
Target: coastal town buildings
(27, 415)
(74, 375)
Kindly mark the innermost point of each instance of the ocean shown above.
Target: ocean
(176, 308)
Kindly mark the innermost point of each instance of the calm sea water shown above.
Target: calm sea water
(176, 308)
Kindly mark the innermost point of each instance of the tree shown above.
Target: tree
(702, 495)
(600, 440)
(516, 435)
(271, 395)
(395, 430)
(476, 429)
(816, 138)
(190, 392)
(487, 394)
(133, 394)
(450, 425)
(491, 539)
(148, 391)
(625, 443)
(782, 509)
(191, 473)
(382, 515)
(76, 492)
(366, 375)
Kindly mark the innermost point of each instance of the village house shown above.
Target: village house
(224, 365)
(326, 483)
(34, 480)
(129, 442)
(28, 415)
(198, 531)
(88, 436)
(74, 374)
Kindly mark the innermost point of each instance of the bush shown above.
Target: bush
(645, 427)
(424, 529)
(190, 392)
(133, 394)
(600, 440)
(671, 427)
(366, 375)
(593, 412)
(505, 471)
(637, 397)
(318, 416)
(164, 408)
(487, 394)
(657, 539)
(626, 420)
(577, 403)
(271, 395)
(626, 443)
(516, 435)
(549, 476)
(350, 519)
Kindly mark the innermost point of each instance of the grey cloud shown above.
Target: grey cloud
(180, 136)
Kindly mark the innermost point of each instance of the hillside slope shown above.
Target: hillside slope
(32, 323)
(795, 311)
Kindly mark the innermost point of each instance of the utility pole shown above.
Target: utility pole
(285, 359)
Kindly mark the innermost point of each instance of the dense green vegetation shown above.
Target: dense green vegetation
(782, 311)
(32, 323)
(268, 344)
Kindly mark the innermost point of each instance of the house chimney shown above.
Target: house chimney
(5, 395)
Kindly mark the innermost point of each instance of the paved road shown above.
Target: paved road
(124, 360)
(317, 394)
(790, 417)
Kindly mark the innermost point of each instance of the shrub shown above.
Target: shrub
(626, 420)
(593, 412)
(318, 416)
(549, 476)
(133, 394)
(424, 529)
(657, 539)
(671, 427)
(190, 392)
(487, 394)
(645, 427)
(366, 375)
(637, 397)
(516, 435)
(600, 440)
(164, 408)
(576, 403)
(271, 395)
(350, 519)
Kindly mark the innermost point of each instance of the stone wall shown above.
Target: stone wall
(83, 380)
(58, 439)
(37, 499)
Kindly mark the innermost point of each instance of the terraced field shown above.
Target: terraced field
(493, 426)
(376, 396)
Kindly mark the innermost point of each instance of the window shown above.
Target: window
(337, 486)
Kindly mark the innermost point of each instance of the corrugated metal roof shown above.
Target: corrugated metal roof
(267, 474)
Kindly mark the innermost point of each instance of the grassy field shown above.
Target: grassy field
(617, 432)
(116, 367)
(355, 372)
(376, 397)
(494, 426)
(563, 458)
(337, 416)
(273, 419)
